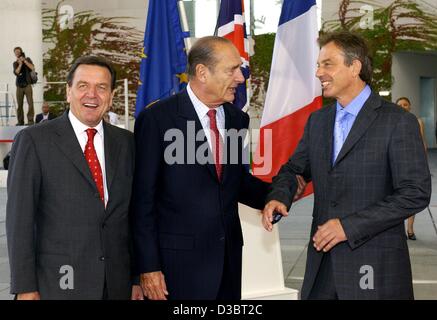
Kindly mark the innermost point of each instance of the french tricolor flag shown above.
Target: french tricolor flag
(231, 25)
(294, 92)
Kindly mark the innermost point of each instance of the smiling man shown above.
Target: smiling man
(187, 233)
(366, 160)
(69, 187)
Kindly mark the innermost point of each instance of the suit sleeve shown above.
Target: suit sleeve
(284, 184)
(411, 181)
(24, 179)
(148, 157)
(252, 191)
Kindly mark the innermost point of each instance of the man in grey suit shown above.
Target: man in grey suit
(69, 187)
(366, 160)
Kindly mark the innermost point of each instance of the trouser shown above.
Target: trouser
(324, 285)
(21, 92)
(227, 290)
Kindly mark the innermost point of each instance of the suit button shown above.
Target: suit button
(334, 204)
(222, 238)
(97, 195)
(102, 258)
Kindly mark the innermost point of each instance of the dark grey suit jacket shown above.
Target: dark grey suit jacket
(55, 216)
(380, 178)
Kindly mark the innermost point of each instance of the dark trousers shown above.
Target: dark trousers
(105, 292)
(28, 92)
(324, 285)
(228, 290)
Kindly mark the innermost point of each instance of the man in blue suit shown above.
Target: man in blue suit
(187, 233)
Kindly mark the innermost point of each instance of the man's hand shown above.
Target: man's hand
(328, 235)
(153, 285)
(301, 184)
(267, 213)
(137, 293)
(29, 296)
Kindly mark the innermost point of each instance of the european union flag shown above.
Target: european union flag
(164, 58)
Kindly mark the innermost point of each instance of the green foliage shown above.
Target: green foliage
(260, 64)
(90, 34)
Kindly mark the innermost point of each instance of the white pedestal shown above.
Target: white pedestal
(3, 178)
(263, 277)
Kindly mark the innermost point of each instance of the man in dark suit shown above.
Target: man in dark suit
(366, 160)
(187, 233)
(69, 187)
(45, 115)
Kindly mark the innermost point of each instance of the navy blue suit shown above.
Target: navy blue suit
(40, 116)
(184, 219)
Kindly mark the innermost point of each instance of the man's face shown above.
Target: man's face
(90, 94)
(17, 53)
(336, 78)
(223, 79)
(45, 108)
(404, 104)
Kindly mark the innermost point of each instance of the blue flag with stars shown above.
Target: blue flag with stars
(164, 58)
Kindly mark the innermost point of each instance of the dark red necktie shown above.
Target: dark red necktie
(216, 142)
(93, 162)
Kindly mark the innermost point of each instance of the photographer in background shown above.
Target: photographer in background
(22, 68)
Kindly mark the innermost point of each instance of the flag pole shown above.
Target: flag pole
(248, 42)
(184, 21)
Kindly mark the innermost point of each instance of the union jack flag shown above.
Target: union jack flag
(231, 25)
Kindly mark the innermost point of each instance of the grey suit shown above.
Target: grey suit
(380, 178)
(55, 216)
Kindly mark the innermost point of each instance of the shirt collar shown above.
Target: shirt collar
(79, 128)
(201, 108)
(357, 103)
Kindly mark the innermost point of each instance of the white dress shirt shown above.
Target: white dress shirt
(202, 110)
(80, 131)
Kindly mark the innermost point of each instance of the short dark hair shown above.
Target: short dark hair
(354, 47)
(93, 61)
(403, 98)
(204, 52)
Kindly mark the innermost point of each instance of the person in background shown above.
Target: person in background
(22, 68)
(405, 103)
(45, 115)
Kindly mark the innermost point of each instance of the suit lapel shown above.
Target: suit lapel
(186, 112)
(329, 130)
(363, 121)
(112, 148)
(66, 141)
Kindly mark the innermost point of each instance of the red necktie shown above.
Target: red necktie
(93, 162)
(216, 142)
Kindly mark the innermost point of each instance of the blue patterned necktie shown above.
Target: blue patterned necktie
(339, 132)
